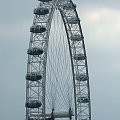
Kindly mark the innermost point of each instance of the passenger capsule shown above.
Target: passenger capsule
(76, 37)
(48, 118)
(35, 51)
(82, 77)
(79, 57)
(32, 119)
(37, 29)
(69, 6)
(73, 20)
(41, 11)
(45, 0)
(33, 104)
(83, 100)
(33, 76)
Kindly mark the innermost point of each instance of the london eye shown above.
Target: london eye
(57, 79)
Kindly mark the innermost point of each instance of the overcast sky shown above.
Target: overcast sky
(100, 21)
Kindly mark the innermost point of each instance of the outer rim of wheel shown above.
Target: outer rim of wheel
(86, 66)
(43, 60)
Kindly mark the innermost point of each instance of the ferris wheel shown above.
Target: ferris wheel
(57, 80)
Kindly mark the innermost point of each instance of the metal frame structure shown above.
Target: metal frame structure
(37, 60)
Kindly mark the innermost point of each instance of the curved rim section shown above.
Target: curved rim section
(79, 65)
(36, 65)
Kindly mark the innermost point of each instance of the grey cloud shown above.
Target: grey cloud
(101, 33)
(17, 10)
(99, 3)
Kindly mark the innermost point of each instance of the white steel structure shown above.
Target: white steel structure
(57, 81)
